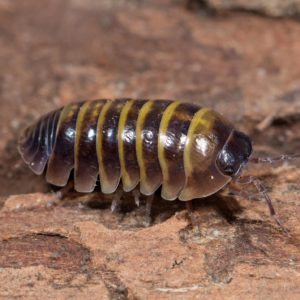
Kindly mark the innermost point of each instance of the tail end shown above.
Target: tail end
(36, 142)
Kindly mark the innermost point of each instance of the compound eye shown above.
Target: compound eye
(226, 162)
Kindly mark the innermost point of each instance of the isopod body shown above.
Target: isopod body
(192, 152)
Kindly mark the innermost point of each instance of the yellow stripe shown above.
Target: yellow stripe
(82, 112)
(99, 140)
(84, 109)
(64, 115)
(139, 140)
(164, 124)
(122, 122)
(197, 121)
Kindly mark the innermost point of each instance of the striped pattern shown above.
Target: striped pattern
(130, 171)
(145, 142)
(173, 134)
(147, 130)
(86, 166)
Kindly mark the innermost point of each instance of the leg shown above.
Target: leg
(190, 210)
(149, 202)
(191, 215)
(273, 160)
(116, 202)
(244, 194)
(136, 194)
(59, 195)
(263, 192)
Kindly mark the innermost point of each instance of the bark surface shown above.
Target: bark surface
(243, 65)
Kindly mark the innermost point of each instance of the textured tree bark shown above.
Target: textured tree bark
(245, 66)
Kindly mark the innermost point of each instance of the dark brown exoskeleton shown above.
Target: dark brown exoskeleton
(192, 152)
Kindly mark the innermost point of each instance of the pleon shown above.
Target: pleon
(41, 157)
(61, 161)
(36, 143)
(29, 141)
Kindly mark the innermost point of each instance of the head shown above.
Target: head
(234, 154)
(213, 155)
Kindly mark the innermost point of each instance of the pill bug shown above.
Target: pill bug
(190, 151)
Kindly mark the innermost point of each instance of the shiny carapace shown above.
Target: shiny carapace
(192, 152)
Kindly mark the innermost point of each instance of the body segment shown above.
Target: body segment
(61, 161)
(107, 145)
(130, 171)
(147, 145)
(173, 134)
(86, 167)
